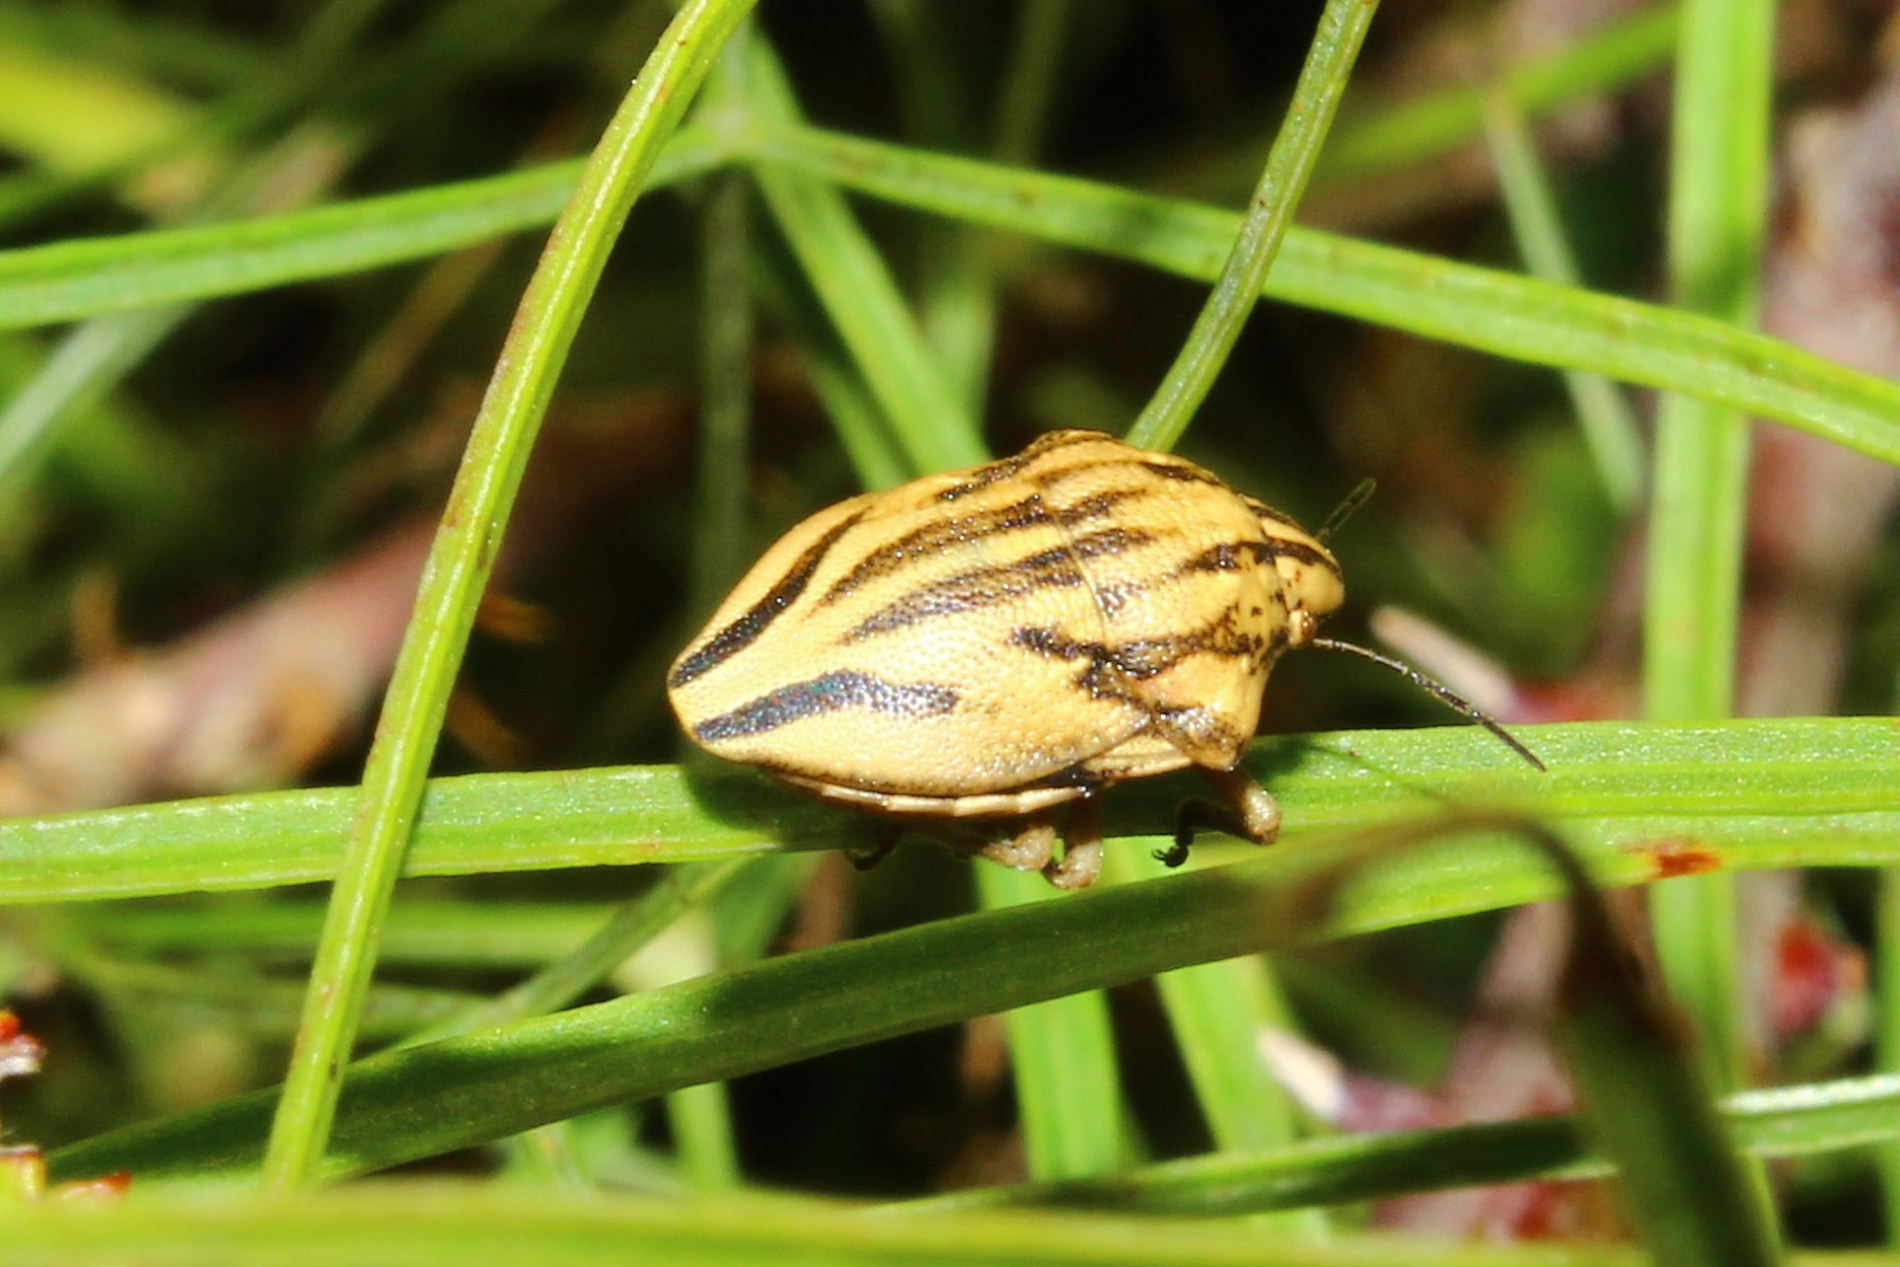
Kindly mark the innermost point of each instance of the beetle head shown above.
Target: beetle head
(1310, 584)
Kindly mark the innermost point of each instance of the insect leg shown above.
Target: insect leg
(865, 859)
(1248, 811)
(1253, 805)
(1082, 857)
(1029, 849)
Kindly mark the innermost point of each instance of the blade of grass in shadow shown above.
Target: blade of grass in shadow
(1062, 1061)
(421, 1102)
(723, 437)
(850, 406)
(1342, 28)
(700, 1117)
(1718, 190)
(1784, 1122)
(1609, 424)
(858, 292)
(1217, 1012)
(458, 567)
(679, 890)
(954, 300)
(233, 998)
(1647, 1101)
(1035, 60)
(1807, 792)
(1503, 313)
(1887, 1030)
(422, 932)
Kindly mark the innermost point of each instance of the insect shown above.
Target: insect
(993, 644)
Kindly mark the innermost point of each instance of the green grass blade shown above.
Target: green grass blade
(89, 277)
(422, 932)
(1342, 29)
(700, 1117)
(409, 1224)
(416, 1103)
(860, 295)
(1887, 1030)
(1717, 216)
(1492, 311)
(458, 568)
(89, 362)
(725, 394)
(1646, 1097)
(77, 117)
(588, 964)
(1035, 60)
(1717, 213)
(1510, 315)
(1609, 424)
(850, 406)
(1218, 1013)
(1334, 1170)
(77, 374)
(239, 1000)
(954, 289)
(1804, 792)
(1062, 1059)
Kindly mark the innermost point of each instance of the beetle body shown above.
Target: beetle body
(999, 640)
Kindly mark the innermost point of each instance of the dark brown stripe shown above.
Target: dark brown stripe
(1095, 505)
(1183, 472)
(1180, 472)
(1049, 441)
(1228, 556)
(1043, 445)
(1142, 658)
(933, 537)
(1300, 550)
(744, 631)
(998, 583)
(920, 543)
(1107, 541)
(1271, 515)
(1231, 556)
(982, 477)
(971, 590)
(845, 688)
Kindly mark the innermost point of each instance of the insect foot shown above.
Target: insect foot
(1246, 810)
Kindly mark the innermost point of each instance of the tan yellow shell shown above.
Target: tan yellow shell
(1004, 638)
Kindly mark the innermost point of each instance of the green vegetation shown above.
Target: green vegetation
(644, 1012)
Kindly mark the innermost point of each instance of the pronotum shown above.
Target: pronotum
(993, 643)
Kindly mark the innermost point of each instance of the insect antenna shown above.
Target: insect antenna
(1443, 692)
(1358, 497)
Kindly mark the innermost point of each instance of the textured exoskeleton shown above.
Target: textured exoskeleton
(993, 642)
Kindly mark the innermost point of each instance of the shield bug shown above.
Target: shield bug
(993, 643)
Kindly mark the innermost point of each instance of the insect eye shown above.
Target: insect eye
(1310, 580)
